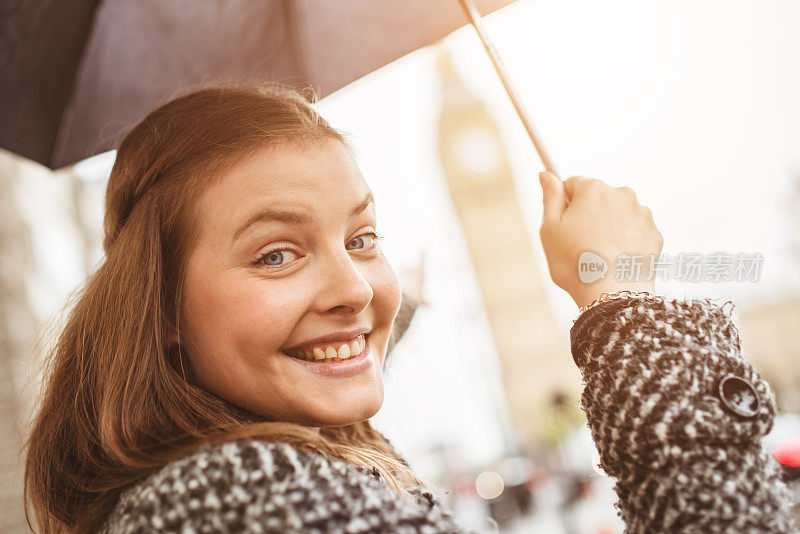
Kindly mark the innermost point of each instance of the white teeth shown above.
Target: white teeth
(330, 354)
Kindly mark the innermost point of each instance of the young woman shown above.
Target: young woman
(218, 371)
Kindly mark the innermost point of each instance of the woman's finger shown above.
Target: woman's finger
(575, 185)
(627, 191)
(553, 196)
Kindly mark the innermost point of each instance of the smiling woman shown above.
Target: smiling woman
(244, 295)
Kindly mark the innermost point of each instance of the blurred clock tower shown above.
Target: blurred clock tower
(536, 362)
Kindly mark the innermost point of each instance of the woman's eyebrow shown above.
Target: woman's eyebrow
(368, 199)
(290, 216)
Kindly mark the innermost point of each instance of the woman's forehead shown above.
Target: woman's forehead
(291, 173)
(304, 185)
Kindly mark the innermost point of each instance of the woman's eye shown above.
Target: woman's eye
(276, 258)
(362, 242)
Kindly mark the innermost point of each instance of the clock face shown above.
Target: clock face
(477, 153)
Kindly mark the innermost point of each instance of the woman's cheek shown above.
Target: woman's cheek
(388, 291)
(278, 307)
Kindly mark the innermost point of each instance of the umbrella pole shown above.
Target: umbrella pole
(476, 21)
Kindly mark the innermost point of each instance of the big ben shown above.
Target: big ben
(534, 357)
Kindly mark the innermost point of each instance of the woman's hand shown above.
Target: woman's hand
(585, 218)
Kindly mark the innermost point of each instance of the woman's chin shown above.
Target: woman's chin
(350, 412)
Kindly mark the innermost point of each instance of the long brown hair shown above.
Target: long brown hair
(118, 402)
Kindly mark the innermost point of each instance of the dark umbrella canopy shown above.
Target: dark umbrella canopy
(76, 73)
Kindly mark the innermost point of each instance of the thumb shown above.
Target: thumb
(553, 195)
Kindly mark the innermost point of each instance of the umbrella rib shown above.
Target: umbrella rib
(67, 115)
(476, 21)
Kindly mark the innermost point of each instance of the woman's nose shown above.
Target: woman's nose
(344, 287)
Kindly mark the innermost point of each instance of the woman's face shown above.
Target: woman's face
(286, 266)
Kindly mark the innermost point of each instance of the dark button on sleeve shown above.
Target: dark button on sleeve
(739, 396)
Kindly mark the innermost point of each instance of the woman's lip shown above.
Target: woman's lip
(348, 367)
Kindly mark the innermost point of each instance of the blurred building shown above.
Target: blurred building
(18, 328)
(770, 340)
(536, 361)
(769, 329)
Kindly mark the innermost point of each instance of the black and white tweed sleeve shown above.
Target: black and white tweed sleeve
(251, 486)
(683, 460)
